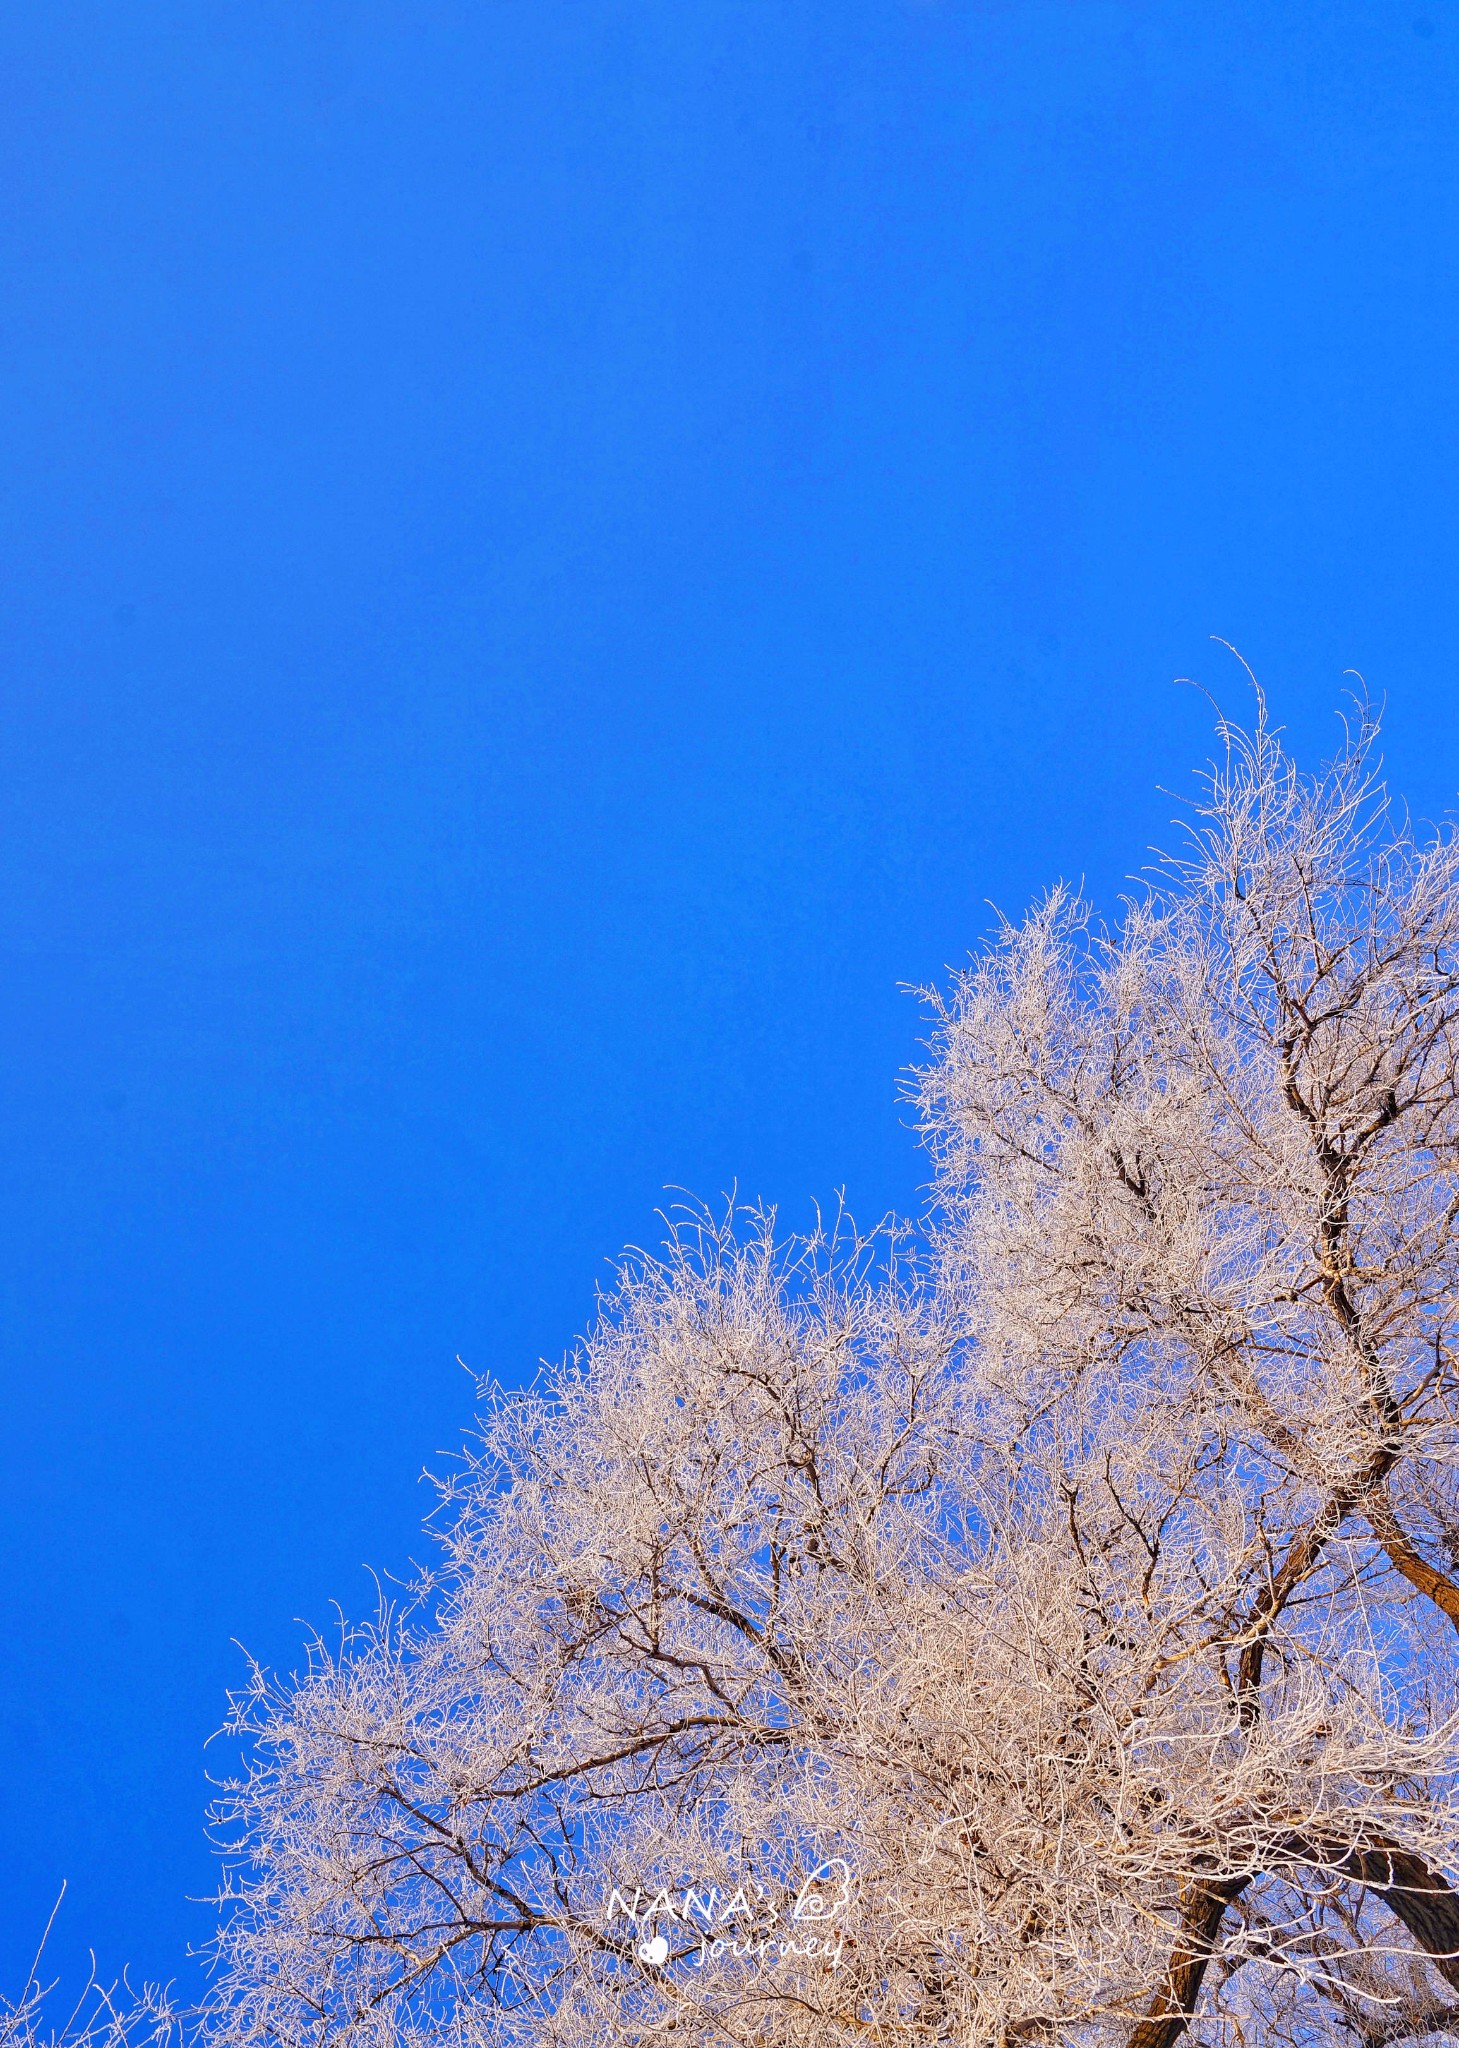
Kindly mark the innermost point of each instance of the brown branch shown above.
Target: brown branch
(1307, 1551)
(1422, 1899)
(1378, 1512)
(1202, 1911)
(1302, 1559)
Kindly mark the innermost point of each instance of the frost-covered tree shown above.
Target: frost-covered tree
(99, 2016)
(1041, 1628)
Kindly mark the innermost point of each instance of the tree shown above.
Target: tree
(1040, 1628)
(102, 2016)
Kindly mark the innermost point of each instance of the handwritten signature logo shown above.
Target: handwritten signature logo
(757, 1931)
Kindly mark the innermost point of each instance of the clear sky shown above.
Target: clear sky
(555, 554)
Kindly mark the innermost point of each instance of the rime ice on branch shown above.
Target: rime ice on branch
(1082, 1573)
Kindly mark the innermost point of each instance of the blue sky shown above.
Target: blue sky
(555, 555)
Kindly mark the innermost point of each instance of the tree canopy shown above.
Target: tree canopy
(1037, 1625)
